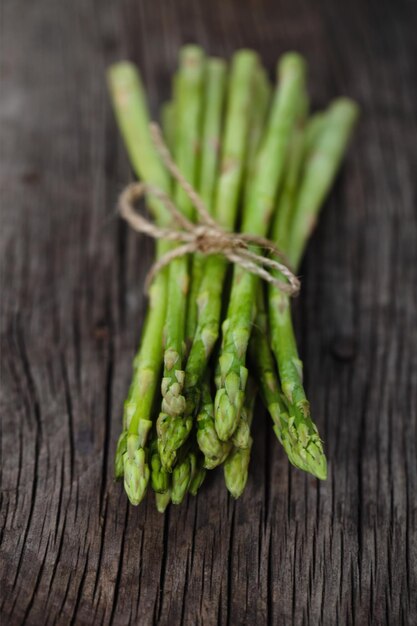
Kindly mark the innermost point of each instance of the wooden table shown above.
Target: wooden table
(291, 550)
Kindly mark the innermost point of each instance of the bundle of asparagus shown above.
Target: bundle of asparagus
(260, 163)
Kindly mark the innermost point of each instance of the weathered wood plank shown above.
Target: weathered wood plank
(291, 551)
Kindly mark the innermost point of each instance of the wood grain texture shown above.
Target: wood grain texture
(291, 551)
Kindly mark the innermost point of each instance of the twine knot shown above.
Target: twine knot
(206, 236)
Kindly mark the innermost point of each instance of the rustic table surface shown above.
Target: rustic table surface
(292, 550)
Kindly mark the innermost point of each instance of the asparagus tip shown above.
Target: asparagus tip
(162, 500)
(136, 476)
(236, 470)
(118, 458)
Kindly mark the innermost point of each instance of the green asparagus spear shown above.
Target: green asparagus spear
(182, 475)
(162, 500)
(160, 478)
(260, 352)
(263, 365)
(236, 131)
(214, 91)
(131, 111)
(172, 428)
(237, 463)
(289, 187)
(135, 469)
(215, 451)
(189, 472)
(121, 450)
(236, 470)
(198, 477)
(300, 437)
(261, 103)
(319, 173)
(257, 214)
(241, 438)
(168, 124)
(312, 129)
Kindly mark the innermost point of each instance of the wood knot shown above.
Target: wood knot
(343, 347)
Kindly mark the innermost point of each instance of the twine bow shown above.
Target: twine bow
(205, 236)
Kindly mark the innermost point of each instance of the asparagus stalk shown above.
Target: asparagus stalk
(236, 465)
(312, 129)
(300, 437)
(198, 477)
(121, 450)
(215, 83)
(129, 103)
(209, 300)
(257, 214)
(259, 349)
(215, 451)
(160, 478)
(263, 364)
(182, 476)
(262, 100)
(132, 115)
(236, 470)
(291, 179)
(188, 474)
(320, 171)
(168, 124)
(172, 428)
(162, 500)
(241, 437)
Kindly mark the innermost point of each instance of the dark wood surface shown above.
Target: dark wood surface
(291, 550)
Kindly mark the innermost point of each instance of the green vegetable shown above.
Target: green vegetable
(236, 465)
(129, 103)
(300, 436)
(234, 145)
(215, 83)
(258, 210)
(215, 451)
(239, 148)
(172, 429)
(162, 500)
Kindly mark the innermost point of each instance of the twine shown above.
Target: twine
(206, 236)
